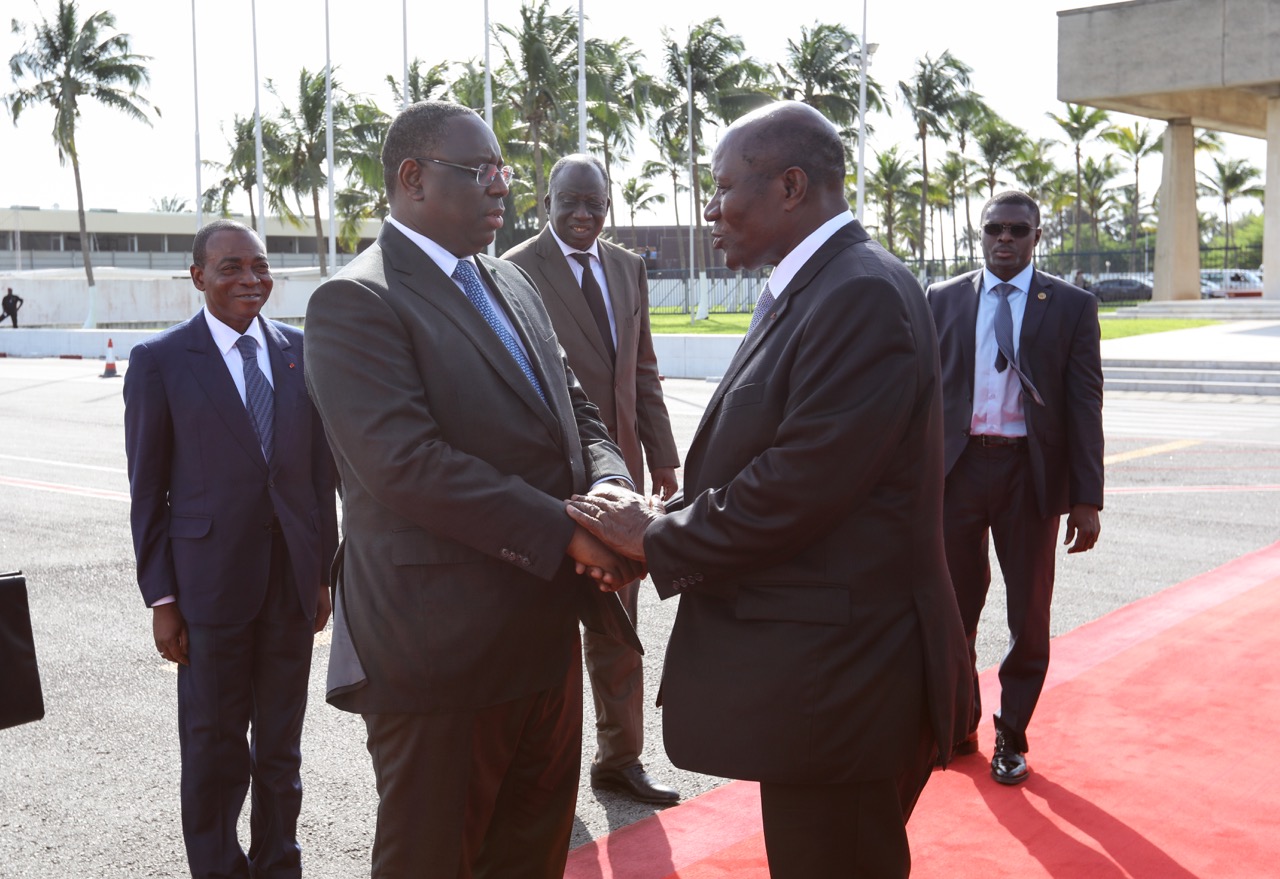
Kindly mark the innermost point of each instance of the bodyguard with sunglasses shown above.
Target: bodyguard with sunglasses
(459, 431)
(1022, 411)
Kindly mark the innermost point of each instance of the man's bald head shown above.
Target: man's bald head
(791, 134)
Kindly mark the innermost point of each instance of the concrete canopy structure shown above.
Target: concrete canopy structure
(1193, 63)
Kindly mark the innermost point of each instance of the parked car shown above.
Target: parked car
(1217, 283)
(1121, 290)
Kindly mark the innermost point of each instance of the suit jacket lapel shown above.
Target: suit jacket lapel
(419, 273)
(1039, 295)
(844, 237)
(288, 387)
(969, 323)
(210, 371)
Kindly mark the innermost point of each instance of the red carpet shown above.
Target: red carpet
(1150, 760)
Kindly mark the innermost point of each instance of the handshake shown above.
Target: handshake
(608, 544)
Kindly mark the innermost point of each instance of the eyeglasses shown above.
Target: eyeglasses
(485, 174)
(1017, 230)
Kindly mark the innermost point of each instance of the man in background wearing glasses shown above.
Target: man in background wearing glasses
(1022, 404)
(459, 432)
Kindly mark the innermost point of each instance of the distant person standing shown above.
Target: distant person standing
(12, 302)
(598, 297)
(234, 525)
(1022, 419)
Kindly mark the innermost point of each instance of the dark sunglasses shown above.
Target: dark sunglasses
(1017, 230)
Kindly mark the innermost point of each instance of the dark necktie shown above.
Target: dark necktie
(1004, 325)
(1004, 340)
(763, 304)
(466, 274)
(258, 397)
(595, 301)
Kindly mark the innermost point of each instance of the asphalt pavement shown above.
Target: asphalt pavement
(92, 790)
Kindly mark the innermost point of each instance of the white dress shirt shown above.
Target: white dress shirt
(787, 267)
(997, 396)
(225, 338)
(597, 269)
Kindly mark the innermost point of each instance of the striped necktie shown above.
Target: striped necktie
(258, 396)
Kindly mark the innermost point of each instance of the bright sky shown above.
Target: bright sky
(127, 166)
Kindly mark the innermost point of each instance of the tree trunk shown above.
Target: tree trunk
(1075, 245)
(91, 318)
(924, 188)
(613, 224)
(538, 184)
(321, 247)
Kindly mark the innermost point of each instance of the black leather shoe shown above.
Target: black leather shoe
(636, 783)
(1008, 765)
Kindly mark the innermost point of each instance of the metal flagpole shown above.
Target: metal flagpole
(195, 85)
(257, 128)
(328, 141)
(862, 115)
(404, 30)
(582, 83)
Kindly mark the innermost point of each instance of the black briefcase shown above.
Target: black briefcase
(20, 697)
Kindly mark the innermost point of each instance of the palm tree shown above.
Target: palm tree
(359, 150)
(1135, 142)
(889, 182)
(824, 70)
(726, 85)
(672, 162)
(303, 133)
(1098, 194)
(1079, 123)
(540, 73)
(67, 59)
(169, 204)
(998, 143)
(239, 172)
(617, 101)
(955, 176)
(1231, 179)
(423, 85)
(938, 88)
(637, 197)
(965, 119)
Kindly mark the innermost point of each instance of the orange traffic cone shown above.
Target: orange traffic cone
(110, 371)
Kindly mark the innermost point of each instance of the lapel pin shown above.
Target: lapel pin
(1040, 295)
(291, 365)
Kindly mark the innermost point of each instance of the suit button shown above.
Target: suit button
(524, 560)
(267, 527)
(697, 578)
(271, 483)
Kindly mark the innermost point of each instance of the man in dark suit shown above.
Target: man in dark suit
(11, 303)
(234, 525)
(1022, 403)
(817, 647)
(601, 316)
(459, 431)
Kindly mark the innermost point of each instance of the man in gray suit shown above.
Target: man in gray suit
(598, 297)
(817, 648)
(459, 430)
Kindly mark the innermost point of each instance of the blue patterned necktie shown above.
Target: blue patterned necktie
(258, 396)
(763, 304)
(466, 274)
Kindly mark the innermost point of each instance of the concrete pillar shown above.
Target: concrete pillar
(1271, 206)
(1177, 269)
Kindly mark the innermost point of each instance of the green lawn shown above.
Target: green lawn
(737, 323)
(1121, 327)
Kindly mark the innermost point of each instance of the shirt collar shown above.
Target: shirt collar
(1022, 280)
(568, 251)
(437, 254)
(790, 264)
(225, 337)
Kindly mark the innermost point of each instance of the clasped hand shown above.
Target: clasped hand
(612, 565)
(618, 519)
